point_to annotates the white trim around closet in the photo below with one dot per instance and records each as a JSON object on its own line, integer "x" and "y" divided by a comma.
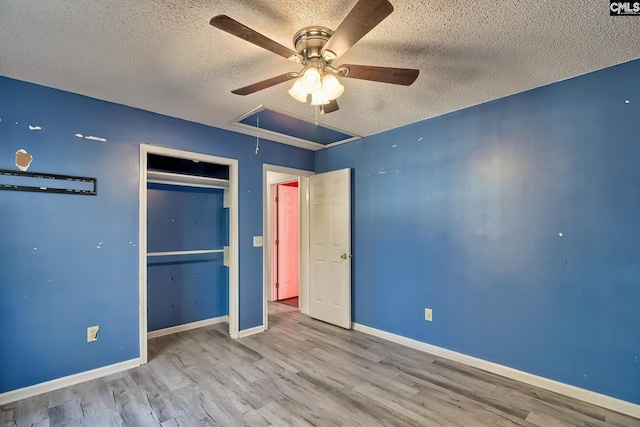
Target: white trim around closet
{"x": 146, "y": 149}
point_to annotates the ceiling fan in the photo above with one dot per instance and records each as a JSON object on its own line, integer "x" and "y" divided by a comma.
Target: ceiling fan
{"x": 316, "y": 48}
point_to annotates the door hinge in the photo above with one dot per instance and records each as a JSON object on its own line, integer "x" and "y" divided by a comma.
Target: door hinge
{"x": 277, "y": 285}
{"x": 277, "y": 242}
{"x": 277, "y": 199}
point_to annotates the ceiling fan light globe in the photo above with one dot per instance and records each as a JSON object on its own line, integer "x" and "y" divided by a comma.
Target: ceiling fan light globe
{"x": 311, "y": 80}
{"x": 318, "y": 98}
{"x": 297, "y": 92}
{"x": 331, "y": 87}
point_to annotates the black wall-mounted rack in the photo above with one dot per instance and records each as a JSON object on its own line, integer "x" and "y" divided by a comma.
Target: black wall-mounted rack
{"x": 47, "y": 183}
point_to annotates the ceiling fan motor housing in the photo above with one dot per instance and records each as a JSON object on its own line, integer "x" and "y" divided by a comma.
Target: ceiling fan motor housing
{"x": 309, "y": 41}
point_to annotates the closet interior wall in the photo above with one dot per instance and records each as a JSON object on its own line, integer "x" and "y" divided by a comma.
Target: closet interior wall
{"x": 187, "y": 231}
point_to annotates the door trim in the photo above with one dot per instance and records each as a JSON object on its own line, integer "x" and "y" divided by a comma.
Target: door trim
{"x": 303, "y": 234}
{"x": 142, "y": 234}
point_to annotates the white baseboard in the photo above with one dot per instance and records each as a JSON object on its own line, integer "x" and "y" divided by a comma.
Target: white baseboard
{"x": 45, "y": 387}
{"x": 250, "y": 331}
{"x": 186, "y": 327}
{"x": 588, "y": 396}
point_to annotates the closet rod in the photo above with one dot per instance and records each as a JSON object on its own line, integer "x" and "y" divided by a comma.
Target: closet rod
{"x": 186, "y": 180}
{"x": 205, "y": 251}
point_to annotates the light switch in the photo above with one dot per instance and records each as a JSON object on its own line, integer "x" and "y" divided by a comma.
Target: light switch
{"x": 257, "y": 241}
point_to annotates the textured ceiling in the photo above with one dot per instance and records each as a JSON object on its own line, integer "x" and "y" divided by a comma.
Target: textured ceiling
{"x": 163, "y": 56}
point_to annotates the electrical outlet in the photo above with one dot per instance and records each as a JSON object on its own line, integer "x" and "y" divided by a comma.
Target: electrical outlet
{"x": 257, "y": 241}
{"x": 428, "y": 315}
{"x": 92, "y": 333}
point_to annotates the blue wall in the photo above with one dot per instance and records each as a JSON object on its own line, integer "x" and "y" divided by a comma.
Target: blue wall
{"x": 186, "y": 288}
{"x": 463, "y": 213}
{"x": 68, "y": 261}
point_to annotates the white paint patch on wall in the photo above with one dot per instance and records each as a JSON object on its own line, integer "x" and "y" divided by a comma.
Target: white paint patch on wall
{"x": 91, "y": 138}
{"x": 34, "y": 127}
{"x": 95, "y": 138}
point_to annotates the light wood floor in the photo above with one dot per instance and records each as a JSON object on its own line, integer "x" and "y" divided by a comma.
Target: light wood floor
{"x": 300, "y": 372}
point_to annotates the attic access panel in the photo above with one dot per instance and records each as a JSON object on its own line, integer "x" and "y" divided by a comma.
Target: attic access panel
{"x": 282, "y": 124}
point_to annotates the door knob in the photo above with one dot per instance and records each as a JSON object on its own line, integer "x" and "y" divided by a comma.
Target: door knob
{"x": 345, "y": 256}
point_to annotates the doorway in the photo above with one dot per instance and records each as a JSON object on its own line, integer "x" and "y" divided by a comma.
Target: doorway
{"x": 273, "y": 177}
{"x": 285, "y": 243}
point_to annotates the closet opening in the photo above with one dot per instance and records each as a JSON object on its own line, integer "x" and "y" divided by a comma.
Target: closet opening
{"x": 188, "y": 228}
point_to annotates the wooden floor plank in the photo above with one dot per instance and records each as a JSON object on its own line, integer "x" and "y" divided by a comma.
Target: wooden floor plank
{"x": 301, "y": 372}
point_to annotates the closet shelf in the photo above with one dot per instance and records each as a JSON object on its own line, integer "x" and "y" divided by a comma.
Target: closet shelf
{"x": 205, "y": 251}
{"x": 186, "y": 180}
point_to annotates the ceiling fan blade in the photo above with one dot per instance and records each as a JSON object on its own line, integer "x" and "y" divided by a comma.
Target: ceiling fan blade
{"x": 330, "y": 107}
{"x": 396, "y": 76}
{"x": 233, "y": 27}
{"x": 364, "y": 16}
{"x": 252, "y": 88}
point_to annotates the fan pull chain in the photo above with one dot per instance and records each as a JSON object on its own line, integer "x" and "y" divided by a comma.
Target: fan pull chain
{"x": 257, "y": 134}
{"x": 322, "y": 91}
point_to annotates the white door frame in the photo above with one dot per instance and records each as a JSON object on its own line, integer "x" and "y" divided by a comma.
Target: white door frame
{"x": 142, "y": 238}
{"x": 303, "y": 233}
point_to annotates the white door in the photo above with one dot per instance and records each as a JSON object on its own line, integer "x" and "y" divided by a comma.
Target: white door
{"x": 287, "y": 242}
{"x": 330, "y": 247}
